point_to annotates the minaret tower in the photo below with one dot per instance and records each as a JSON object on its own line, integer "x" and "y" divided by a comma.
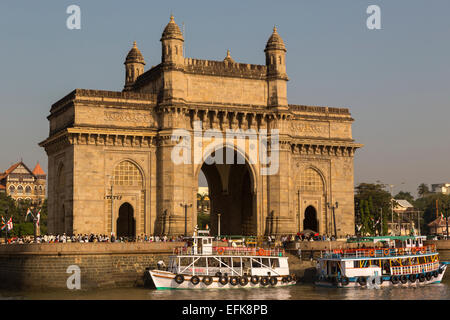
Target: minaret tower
{"x": 134, "y": 67}
{"x": 172, "y": 44}
{"x": 276, "y": 70}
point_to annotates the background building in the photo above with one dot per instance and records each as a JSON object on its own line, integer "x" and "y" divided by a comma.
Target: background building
{"x": 21, "y": 183}
{"x": 104, "y": 142}
{"x": 443, "y": 188}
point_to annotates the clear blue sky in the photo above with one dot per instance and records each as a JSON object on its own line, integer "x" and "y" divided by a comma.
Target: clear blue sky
{"x": 394, "y": 80}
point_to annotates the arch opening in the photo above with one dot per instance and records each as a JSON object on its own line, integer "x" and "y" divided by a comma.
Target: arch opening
{"x": 310, "y": 222}
{"x": 126, "y": 224}
{"x": 230, "y": 193}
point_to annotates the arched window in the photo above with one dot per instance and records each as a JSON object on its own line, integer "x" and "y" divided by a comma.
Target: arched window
{"x": 20, "y": 190}
{"x": 127, "y": 173}
{"x": 311, "y": 181}
{"x": 12, "y": 189}
{"x": 28, "y": 190}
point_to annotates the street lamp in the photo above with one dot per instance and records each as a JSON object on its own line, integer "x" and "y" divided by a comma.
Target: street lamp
{"x": 218, "y": 227}
{"x": 185, "y": 216}
{"x": 333, "y": 207}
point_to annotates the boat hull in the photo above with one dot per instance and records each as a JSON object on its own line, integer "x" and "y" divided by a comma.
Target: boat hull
{"x": 165, "y": 280}
{"x": 386, "y": 282}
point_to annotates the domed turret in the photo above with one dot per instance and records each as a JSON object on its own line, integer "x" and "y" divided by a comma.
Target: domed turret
{"x": 134, "y": 66}
{"x": 172, "y": 31}
{"x": 275, "y": 54}
{"x": 228, "y": 58}
{"x": 172, "y": 44}
{"x": 275, "y": 42}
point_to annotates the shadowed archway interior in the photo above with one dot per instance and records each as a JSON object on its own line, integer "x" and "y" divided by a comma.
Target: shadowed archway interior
{"x": 310, "y": 222}
{"x": 126, "y": 224}
{"x": 231, "y": 194}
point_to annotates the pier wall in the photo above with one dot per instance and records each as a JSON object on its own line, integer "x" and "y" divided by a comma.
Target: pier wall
{"x": 40, "y": 266}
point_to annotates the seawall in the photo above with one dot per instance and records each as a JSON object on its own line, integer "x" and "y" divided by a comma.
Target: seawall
{"x": 40, "y": 266}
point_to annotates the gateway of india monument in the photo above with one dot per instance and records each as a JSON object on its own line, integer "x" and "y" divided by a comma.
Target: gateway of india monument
{"x": 121, "y": 143}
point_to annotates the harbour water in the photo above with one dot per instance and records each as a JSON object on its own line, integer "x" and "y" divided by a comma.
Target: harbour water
{"x": 298, "y": 292}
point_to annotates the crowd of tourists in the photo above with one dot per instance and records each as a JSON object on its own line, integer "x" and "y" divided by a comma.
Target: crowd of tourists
{"x": 276, "y": 241}
{"x": 84, "y": 238}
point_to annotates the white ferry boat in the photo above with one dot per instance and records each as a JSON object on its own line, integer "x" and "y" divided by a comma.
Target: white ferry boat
{"x": 402, "y": 261}
{"x": 203, "y": 266}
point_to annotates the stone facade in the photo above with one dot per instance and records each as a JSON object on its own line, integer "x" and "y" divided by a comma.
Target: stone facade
{"x": 103, "y": 141}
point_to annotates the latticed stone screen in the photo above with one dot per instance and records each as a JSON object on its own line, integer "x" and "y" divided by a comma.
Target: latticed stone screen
{"x": 311, "y": 181}
{"x": 127, "y": 174}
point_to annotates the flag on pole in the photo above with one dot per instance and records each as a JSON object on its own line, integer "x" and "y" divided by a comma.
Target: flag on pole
{"x": 28, "y": 213}
{"x": 4, "y": 224}
{"x": 10, "y": 224}
{"x": 38, "y": 217}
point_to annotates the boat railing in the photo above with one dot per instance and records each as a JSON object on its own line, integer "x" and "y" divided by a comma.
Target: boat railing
{"x": 232, "y": 251}
{"x": 415, "y": 269}
{"x": 377, "y": 252}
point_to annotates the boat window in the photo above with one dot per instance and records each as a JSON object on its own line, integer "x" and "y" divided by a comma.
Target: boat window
{"x": 185, "y": 261}
{"x": 275, "y": 263}
{"x": 265, "y": 261}
{"x": 245, "y": 263}
{"x": 237, "y": 262}
{"x": 200, "y": 262}
{"x": 255, "y": 263}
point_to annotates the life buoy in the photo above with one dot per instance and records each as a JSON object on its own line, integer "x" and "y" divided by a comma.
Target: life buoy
{"x": 179, "y": 278}
{"x": 233, "y": 280}
{"x": 428, "y": 276}
{"x": 423, "y": 250}
{"x": 254, "y": 279}
{"x": 243, "y": 280}
{"x": 386, "y": 252}
{"x": 195, "y": 280}
{"x": 273, "y": 281}
{"x": 345, "y": 281}
{"x": 435, "y": 274}
{"x": 218, "y": 274}
{"x": 223, "y": 280}
{"x": 289, "y": 278}
{"x": 264, "y": 281}
{"x": 394, "y": 279}
{"x": 372, "y": 252}
{"x": 412, "y": 278}
{"x": 403, "y": 279}
{"x": 400, "y": 251}
{"x": 207, "y": 280}
{"x": 362, "y": 281}
{"x": 261, "y": 252}
{"x": 220, "y": 250}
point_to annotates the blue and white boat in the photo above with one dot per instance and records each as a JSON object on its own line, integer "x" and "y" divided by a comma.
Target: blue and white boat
{"x": 388, "y": 261}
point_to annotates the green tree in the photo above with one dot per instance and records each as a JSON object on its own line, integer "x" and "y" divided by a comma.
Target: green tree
{"x": 423, "y": 190}
{"x": 402, "y": 195}
{"x": 428, "y": 206}
{"x": 372, "y": 201}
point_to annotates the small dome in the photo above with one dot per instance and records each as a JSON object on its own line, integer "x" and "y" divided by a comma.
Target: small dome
{"x": 275, "y": 42}
{"x": 134, "y": 56}
{"x": 172, "y": 31}
{"x": 228, "y": 57}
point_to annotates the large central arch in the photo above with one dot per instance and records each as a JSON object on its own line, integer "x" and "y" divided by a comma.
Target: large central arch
{"x": 232, "y": 194}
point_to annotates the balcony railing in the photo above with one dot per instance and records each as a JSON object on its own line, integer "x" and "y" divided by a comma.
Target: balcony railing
{"x": 232, "y": 251}
{"x": 378, "y": 252}
{"x": 415, "y": 269}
